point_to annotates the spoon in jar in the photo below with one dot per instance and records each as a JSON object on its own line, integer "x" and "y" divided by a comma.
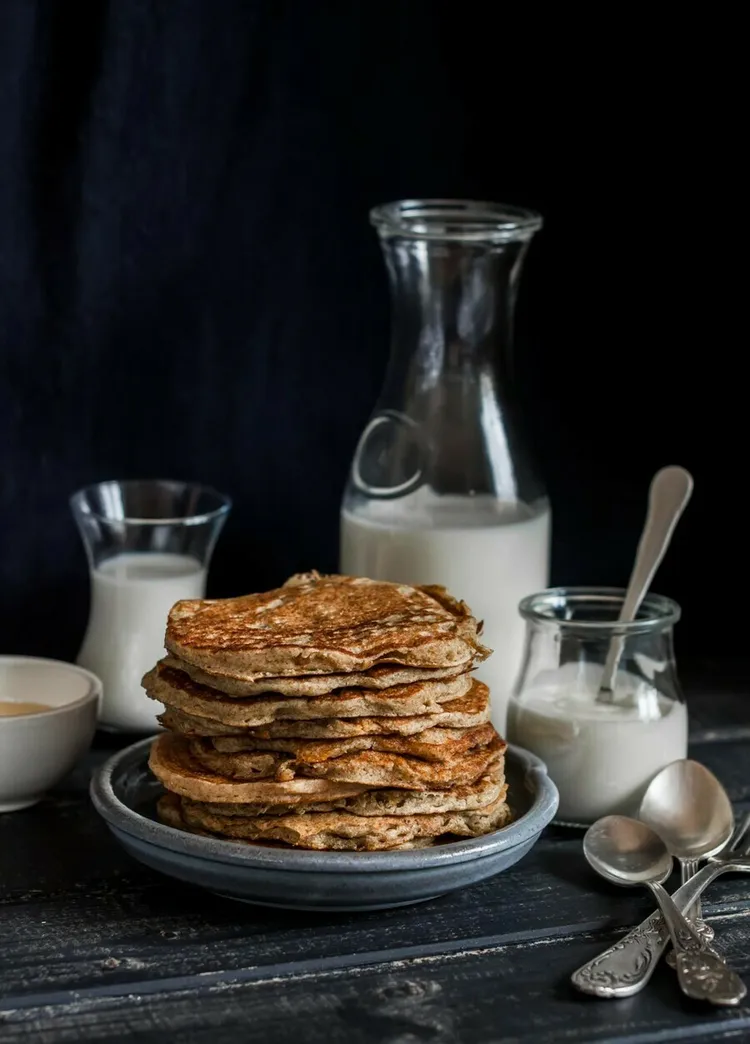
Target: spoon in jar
{"x": 667, "y": 497}
{"x": 628, "y": 852}
{"x": 690, "y": 810}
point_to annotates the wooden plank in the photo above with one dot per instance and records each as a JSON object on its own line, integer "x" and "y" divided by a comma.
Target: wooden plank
{"x": 492, "y": 994}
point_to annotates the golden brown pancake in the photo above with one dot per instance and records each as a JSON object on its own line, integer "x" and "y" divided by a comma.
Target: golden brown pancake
{"x": 321, "y": 625}
{"x": 190, "y": 725}
{"x": 176, "y": 690}
{"x": 383, "y": 802}
{"x": 464, "y": 712}
{"x": 345, "y": 831}
{"x": 439, "y": 744}
{"x": 171, "y": 763}
{"x": 373, "y": 768}
{"x": 169, "y": 811}
{"x": 382, "y": 677}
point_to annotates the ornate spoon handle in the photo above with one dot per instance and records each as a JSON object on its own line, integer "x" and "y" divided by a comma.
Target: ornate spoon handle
{"x": 703, "y": 974}
{"x": 689, "y": 868}
{"x": 626, "y": 967}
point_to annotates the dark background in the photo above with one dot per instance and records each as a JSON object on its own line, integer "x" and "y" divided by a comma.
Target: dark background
{"x": 189, "y": 286}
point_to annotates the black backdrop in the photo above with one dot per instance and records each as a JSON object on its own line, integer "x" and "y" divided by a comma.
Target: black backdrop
{"x": 189, "y": 286}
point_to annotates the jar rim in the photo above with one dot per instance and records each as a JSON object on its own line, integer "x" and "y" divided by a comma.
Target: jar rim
{"x": 455, "y": 220}
{"x": 656, "y": 611}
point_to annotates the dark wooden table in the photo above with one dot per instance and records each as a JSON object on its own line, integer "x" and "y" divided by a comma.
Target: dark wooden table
{"x": 95, "y": 947}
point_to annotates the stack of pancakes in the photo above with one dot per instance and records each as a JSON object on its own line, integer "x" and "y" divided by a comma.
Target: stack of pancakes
{"x": 332, "y": 713}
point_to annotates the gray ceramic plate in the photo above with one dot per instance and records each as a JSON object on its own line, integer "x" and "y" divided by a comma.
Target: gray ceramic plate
{"x": 124, "y": 793}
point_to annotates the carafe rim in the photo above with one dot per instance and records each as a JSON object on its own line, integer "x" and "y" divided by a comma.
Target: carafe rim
{"x": 455, "y": 220}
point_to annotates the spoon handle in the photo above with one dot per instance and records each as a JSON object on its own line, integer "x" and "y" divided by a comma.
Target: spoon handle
{"x": 702, "y": 973}
{"x": 625, "y": 967}
{"x": 689, "y": 868}
{"x": 669, "y": 493}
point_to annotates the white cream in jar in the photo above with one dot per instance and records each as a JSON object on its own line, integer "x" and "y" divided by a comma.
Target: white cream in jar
{"x": 601, "y": 756}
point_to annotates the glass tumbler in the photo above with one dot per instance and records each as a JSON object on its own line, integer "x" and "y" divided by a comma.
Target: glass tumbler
{"x": 149, "y": 544}
{"x": 602, "y": 754}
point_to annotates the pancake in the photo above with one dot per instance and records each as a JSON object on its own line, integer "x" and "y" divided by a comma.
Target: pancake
{"x": 321, "y": 625}
{"x": 383, "y": 802}
{"x": 437, "y": 744}
{"x": 372, "y": 768}
{"x": 464, "y": 712}
{"x": 171, "y": 763}
{"x": 345, "y": 831}
{"x": 169, "y": 811}
{"x": 383, "y": 677}
{"x": 189, "y": 725}
{"x": 176, "y": 690}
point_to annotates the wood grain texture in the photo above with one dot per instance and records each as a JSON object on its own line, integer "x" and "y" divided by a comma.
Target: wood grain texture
{"x": 493, "y": 993}
{"x": 95, "y": 947}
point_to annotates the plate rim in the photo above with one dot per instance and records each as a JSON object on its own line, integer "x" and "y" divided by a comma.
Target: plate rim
{"x": 238, "y": 853}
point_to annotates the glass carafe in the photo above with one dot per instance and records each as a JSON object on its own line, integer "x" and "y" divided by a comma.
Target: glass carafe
{"x": 442, "y": 488}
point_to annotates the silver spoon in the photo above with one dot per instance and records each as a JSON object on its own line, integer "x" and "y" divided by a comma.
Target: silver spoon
{"x": 667, "y": 497}
{"x": 624, "y": 968}
{"x": 629, "y": 852}
{"x": 690, "y": 810}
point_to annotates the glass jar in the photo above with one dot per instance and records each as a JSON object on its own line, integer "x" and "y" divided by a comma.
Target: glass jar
{"x": 602, "y": 754}
{"x": 442, "y": 488}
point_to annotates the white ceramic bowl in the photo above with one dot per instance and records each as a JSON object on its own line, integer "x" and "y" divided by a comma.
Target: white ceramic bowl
{"x": 37, "y": 750}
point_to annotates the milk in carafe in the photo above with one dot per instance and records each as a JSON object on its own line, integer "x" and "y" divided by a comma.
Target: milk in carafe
{"x": 491, "y": 562}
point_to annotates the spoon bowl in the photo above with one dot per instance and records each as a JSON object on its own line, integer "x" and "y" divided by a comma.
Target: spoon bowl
{"x": 627, "y": 852}
{"x": 689, "y": 808}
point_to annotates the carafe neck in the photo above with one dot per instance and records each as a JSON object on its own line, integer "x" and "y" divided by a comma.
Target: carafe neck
{"x": 454, "y": 268}
{"x": 452, "y": 305}
{"x": 447, "y": 416}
